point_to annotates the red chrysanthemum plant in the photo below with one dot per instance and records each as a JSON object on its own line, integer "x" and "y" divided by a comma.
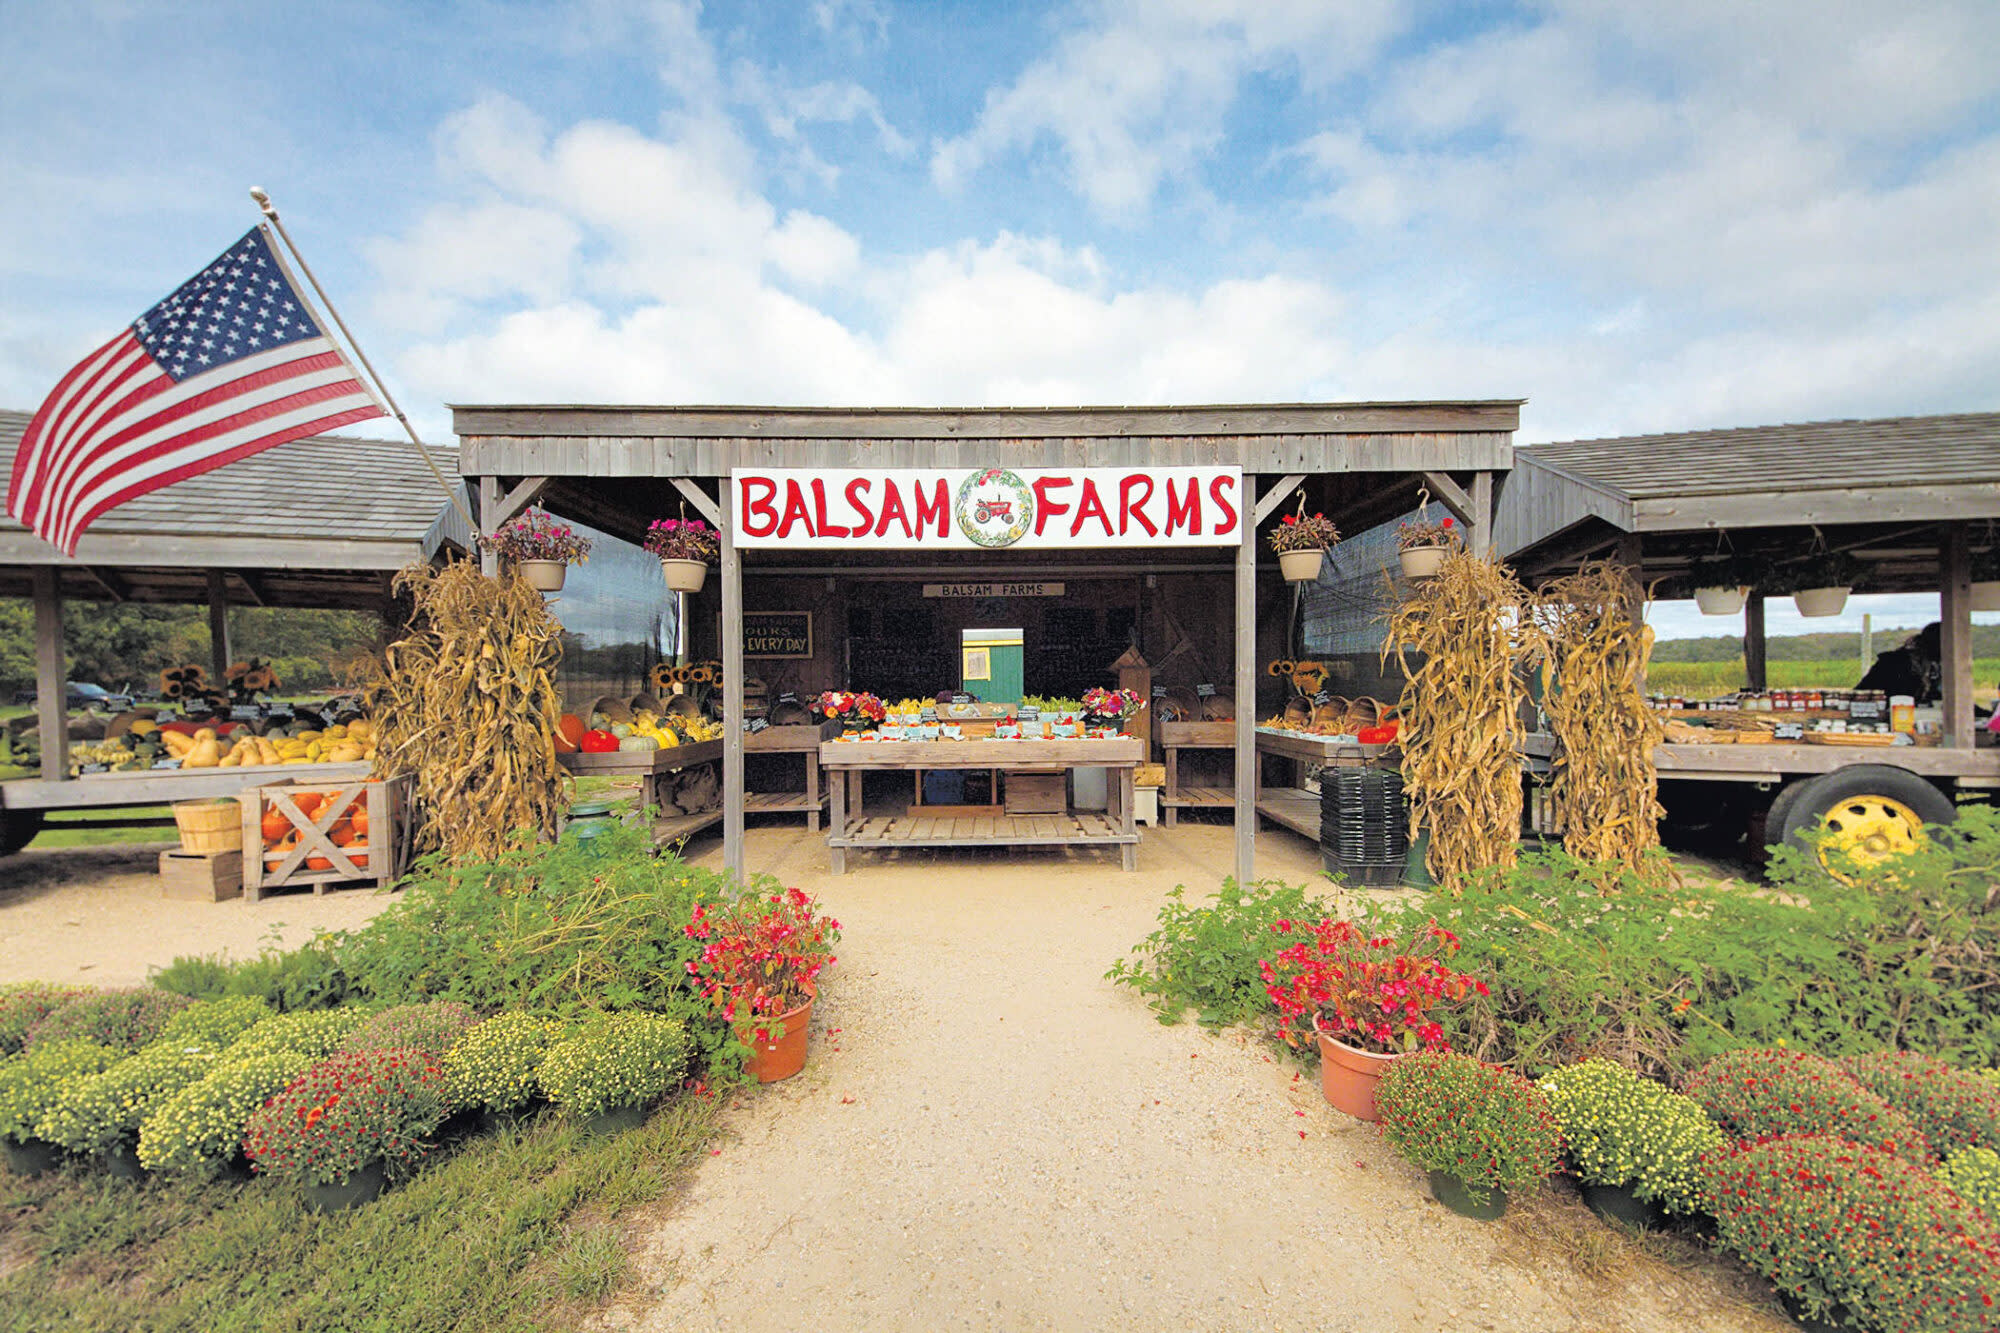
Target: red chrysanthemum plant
{"x": 1375, "y": 993}
{"x": 761, "y": 957}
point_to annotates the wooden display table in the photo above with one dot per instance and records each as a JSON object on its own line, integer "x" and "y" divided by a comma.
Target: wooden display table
{"x": 848, "y": 760}
{"x": 804, "y": 740}
{"x": 651, "y": 768}
{"x": 1293, "y": 806}
{"x": 1178, "y": 736}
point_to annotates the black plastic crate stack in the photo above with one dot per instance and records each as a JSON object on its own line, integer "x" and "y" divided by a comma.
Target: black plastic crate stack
{"x": 1364, "y": 825}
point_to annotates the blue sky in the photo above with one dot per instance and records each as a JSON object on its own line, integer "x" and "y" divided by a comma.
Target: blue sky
{"x": 1638, "y": 217}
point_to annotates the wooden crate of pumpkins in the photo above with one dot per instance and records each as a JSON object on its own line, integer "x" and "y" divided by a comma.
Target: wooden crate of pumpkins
{"x": 324, "y": 834}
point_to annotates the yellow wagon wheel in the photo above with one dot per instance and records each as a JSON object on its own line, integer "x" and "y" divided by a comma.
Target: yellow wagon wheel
{"x": 1858, "y": 817}
{"x": 1865, "y": 831}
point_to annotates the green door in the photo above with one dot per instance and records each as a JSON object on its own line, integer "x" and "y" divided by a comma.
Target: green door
{"x": 991, "y": 665}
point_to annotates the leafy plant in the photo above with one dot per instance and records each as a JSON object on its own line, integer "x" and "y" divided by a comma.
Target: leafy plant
{"x": 1847, "y": 1229}
{"x": 615, "y": 1061}
{"x": 1951, "y": 1108}
{"x": 1426, "y": 531}
{"x": 308, "y": 977}
{"x": 498, "y": 1063}
{"x": 538, "y": 535}
{"x": 200, "y": 1128}
{"x": 32, "y": 1083}
{"x": 125, "y": 1019}
{"x": 761, "y": 955}
{"x": 1974, "y": 1175}
{"x": 433, "y": 1027}
{"x": 1304, "y": 532}
{"x": 94, "y": 1113}
{"x": 23, "y": 1004}
{"x": 1622, "y": 1128}
{"x": 1758, "y": 1094}
{"x": 1206, "y": 957}
{"x": 317, "y": 1033}
{"x": 683, "y": 539}
{"x": 215, "y": 1023}
{"x": 346, "y": 1112}
{"x": 1723, "y": 571}
{"x": 1378, "y": 993}
{"x": 1486, "y": 1125}
{"x": 1825, "y": 569}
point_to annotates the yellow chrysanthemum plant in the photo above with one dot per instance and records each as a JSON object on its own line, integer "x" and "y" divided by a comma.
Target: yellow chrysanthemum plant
{"x": 1624, "y": 1129}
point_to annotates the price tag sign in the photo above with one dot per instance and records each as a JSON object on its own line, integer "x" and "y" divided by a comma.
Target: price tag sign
{"x": 1029, "y": 714}
{"x": 1790, "y": 731}
{"x": 788, "y": 697}
{"x": 245, "y": 713}
{"x": 1322, "y": 698}
{"x": 1204, "y": 691}
{"x": 166, "y": 763}
{"x": 94, "y": 768}
{"x": 1159, "y": 691}
{"x": 960, "y": 697}
{"x": 929, "y": 713}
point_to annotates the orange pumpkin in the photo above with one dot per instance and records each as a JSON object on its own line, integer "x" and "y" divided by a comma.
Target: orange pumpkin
{"x": 309, "y": 802}
{"x": 358, "y": 816}
{"x": 275, "y": 826}
{"x": 342, "y": 832}
{"x": 569, "y": 733}
{"x": 318, "y": 863}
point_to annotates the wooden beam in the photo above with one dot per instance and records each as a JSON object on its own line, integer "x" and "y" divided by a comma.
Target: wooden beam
{"x": 1277, "y": 495}
{"x": 1482, "y": 513}
{"x": 702, "y": 501}
{"x": 114, "y": 585}
{"x": 1246, "y": 706}
{"x": 1955, "y": 640}
{"x": 489, "y": 505}
{"x": 1451, "y": 495}
{"x": 1756, "y": 642}
{"x": 253, "y": 584}
{"x": 511, "y": 504}
{"x": 732, "y": 696}
{"x": 218, "y": 626}
{"x": 1876, "y": 504}
{"x": 51, "y": 676}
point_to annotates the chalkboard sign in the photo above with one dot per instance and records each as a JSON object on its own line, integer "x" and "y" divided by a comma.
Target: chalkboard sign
{"x": 777, "y": 634}
{"x": 788, "y": 697}
{"x": 166, "y": 763}
{"x": 928, "y": 714}
{"x": 245, "y": 713}
{"x": 1322, "y": 698}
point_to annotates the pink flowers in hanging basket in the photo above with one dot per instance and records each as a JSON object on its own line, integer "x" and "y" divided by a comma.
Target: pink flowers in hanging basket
{"x": 538, "y": 535}
{"x": 684, "y": 539}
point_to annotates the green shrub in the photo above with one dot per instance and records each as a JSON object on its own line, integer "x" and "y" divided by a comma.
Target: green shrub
{"x": 308, "y": 977}
{"x": 31, "y": 1084}
{"x": 1622, "y": 1128}
{"x": 433, "y": 1028}
{"x": 1486, "y": 1125}
{"x": 1760, "y": 1094}
{"x": 215, "y": 1023}
{"x": 1205, "y": 957}
{"x": 123, "y": 1019}
{"x": 1849, "y": 1230}
{"x": 26, "y": 1003}
{"x": 497, "y": 1064}
{"x": 200, "y": 1128}
{"x": 615, "y": 1061}
{"x": 1952, "y": 1108}
{"x": 1974, "y": 1175}
{"x": 314, "y": 1032}
{"x": 345, "y": 1112}
{"x": 94, "y": 1113}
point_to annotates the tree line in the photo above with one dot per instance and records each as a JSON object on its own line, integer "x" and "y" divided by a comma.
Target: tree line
{"x": 1842, "y": 646}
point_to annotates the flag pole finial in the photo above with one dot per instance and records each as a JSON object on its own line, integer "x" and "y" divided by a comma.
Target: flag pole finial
{"x": 264, "y": 201}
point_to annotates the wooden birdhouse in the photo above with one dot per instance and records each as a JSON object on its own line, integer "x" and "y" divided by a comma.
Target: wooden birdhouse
{"x": 1134, "y": 674}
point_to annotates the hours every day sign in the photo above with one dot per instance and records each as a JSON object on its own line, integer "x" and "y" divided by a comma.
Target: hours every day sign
{"x": 993, "y": 508}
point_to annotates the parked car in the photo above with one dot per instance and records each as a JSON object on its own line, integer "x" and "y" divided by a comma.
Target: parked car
{"x": 83, "y": 694}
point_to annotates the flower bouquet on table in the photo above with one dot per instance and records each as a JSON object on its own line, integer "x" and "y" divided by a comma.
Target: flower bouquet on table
{"x": 854, "y": 711}
{"x": 760, "y": 964}
{"x": 1108, "y": 709}
{"x": 686, "y": 547}
{"x": 540, "y": 546}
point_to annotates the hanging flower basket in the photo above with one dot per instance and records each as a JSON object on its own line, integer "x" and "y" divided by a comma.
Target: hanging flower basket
{"x": 1300, "y": 566}
{"x": 1986, "y": 595}
{"x": 544, "y": 575}
{"x": 1820, "y": 602}
{"x": 1301, "y": 541}
{"x": 685, "y": 575}
{"x": 686, "y": 548}
{"x": 1422, "y": 545}
{"x": 1720, "y": 601}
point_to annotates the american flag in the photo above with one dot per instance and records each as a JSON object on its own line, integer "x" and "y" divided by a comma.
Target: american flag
{"x": 232, "y": 363}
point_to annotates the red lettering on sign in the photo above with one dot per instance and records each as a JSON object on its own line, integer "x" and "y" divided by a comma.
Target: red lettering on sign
{"x": 1218, "y": 491}
{"x": 795, "y": 507}
{"x": 1091, "y": 504}
{"x": 938, "y": 508}
{"x": 1045, "y": 507}
{"x": 759, "y": 519}
{"x": 892, "y": 508}
{"x": 857, "y": 492}
{"x": 1184, "y": 510}
{"x": 826, "y": 528}
{"x": 1128, "y": 508}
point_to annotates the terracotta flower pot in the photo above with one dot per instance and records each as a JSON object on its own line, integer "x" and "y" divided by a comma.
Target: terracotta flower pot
{"x": 1348, "y": 1076}
{"x": 685, "y": 575}
{"x": 1422, "y": 562}
{"x": 1300, "y": 566}
{"x": 544, "y": 575}
{"x": 782, "y": 1056}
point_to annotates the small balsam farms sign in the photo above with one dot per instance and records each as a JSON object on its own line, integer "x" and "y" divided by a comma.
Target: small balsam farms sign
{"x": 988, "y": 509}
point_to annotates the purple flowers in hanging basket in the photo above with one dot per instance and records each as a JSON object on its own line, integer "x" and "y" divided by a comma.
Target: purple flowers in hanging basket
{"x": 537, "y": 535}
{"x": 684, "y": 539}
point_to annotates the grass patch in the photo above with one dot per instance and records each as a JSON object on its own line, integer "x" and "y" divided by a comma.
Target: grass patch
{"x": 507, "y": 1231}
{"x": 73, "y": 828}
{"x": 1703, "y": 680}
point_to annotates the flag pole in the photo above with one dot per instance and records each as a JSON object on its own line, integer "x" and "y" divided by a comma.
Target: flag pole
{"x": 271, "y": 212}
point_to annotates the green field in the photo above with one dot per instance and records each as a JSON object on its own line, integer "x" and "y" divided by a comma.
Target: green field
{"x": 1701, "y": 680}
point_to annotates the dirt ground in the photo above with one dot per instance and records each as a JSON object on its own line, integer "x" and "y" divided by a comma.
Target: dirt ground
{"x": 989, "y": 1135}
{"x": 96, "y": 915}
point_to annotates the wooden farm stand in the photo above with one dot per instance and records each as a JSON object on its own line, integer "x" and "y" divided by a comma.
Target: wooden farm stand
{"x": 619, "y": 468}
{"x": 651, "y": 768}
{"x": 1292, "y": 805}
{"x": 1178, "y": 736}
{"x": 802, "y": 739}
{"x": 1114, "y": 827}
{"x": 320, "y": 522}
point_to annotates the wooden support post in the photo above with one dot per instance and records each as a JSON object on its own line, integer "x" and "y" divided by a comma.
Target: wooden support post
{"x": 732, "y": 692}
{"x": 1756, "y": 643}
{"x": 218, "y": 627}
{"x": 1630, "y": 552}
{"x": 488, "y": 505}
{"x": 51, "y": 675}
{"x": 1482, "y": 513}
{"x": 1955, "y": 641}
{"x": 1246, "y": 694}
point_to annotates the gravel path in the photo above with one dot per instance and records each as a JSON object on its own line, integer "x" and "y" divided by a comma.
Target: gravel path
{"x": 990, "y": 1136}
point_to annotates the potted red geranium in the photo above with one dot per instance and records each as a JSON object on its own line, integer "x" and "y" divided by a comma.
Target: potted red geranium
{"x": 1422, "y": 544}
{"x": 686, "y": 548}
{"x": 1365, "y": 1000}
{"x": 1302, "y": 541}
{"x": 761, "y": 959}
{"x": 540, "y": 547}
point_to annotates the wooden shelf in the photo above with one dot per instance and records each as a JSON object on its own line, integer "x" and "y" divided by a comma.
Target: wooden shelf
{"x": 1076, "y": 828}
{"x": 1198, "y": 797}
{"x": 627, "y": 762}
{"x": 1294, "y": 807}
{"x": 672, "y": 828}
{"x": 781, "y": 802}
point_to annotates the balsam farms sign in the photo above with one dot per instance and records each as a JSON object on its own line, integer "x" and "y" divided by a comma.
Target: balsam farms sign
{"x": 988, "y": 509}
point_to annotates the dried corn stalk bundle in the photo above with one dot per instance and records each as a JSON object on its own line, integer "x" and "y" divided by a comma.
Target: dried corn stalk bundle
{"x": 1461, "y": 641}
{"x": 468, "y": 705}
{"x": 1605, "y": 789}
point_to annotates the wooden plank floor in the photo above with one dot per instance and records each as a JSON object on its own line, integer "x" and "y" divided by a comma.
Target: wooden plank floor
{"x": 1200, "y": 796}
{"x": 1085, "y": 827}
{"x": 766, "y": 802}
{"x": 1293, "y": 807}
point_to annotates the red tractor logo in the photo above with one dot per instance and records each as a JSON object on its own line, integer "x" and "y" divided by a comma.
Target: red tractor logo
{"x": 988, "y": 510}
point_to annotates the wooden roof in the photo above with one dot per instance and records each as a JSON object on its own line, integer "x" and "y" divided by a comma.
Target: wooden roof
{"x": 322, "y": 521}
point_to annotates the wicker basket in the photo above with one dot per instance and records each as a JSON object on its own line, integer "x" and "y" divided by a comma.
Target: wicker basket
{"x": 1299, "y": 714}
{"x": 1218, "y": 708}
{"x": 615, "y": 709}
{"x": 1365, "y": 712}
{"x": 210, "y": 826}
{"x": 1330, "y": 715}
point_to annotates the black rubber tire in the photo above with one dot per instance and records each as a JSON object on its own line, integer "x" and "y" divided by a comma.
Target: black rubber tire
{"x": 17, "y": 829}
{"x": 1813, "y": 798}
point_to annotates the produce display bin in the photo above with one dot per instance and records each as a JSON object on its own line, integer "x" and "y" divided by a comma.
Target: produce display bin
{"x": 387, "y": 803}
